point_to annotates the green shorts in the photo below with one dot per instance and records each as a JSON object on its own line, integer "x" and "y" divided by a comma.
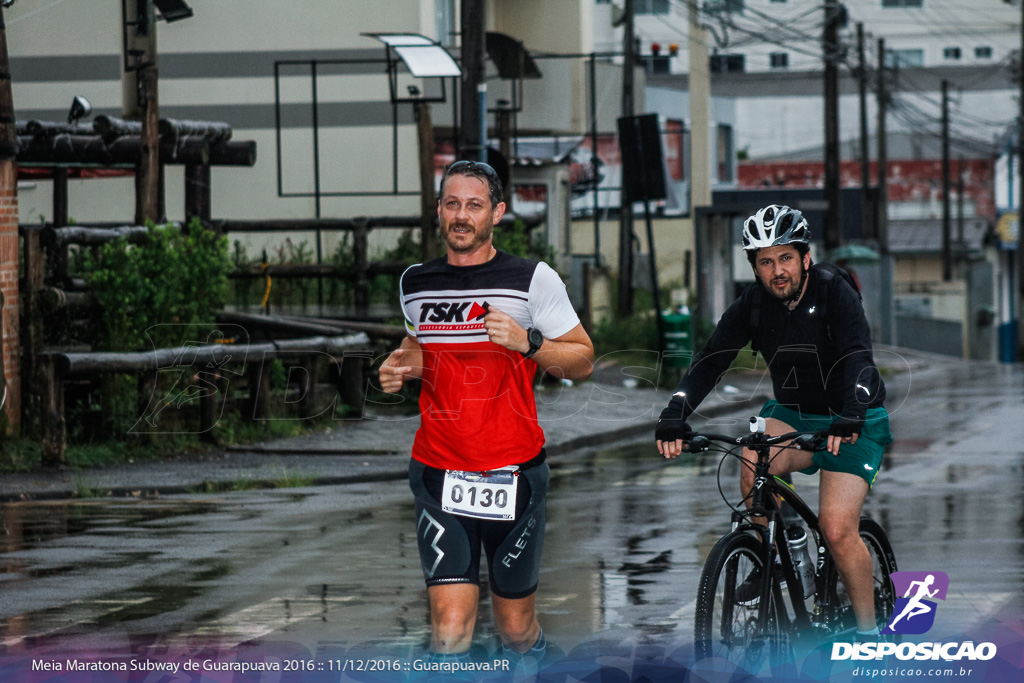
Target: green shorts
{"x": 862, "y": 458}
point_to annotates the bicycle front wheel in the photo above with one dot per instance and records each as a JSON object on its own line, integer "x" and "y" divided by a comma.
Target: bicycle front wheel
{"x": 726, "y": 623}
{"x": 883, "y": 563}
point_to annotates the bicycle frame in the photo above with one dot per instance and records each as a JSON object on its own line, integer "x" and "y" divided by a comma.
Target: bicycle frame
{"x": 725, "y": 625}
{"x": 767, "y": 488}
{"x": 764, "y": 503}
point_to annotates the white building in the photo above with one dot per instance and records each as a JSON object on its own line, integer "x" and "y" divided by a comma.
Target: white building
{"x": 768, "y": 54}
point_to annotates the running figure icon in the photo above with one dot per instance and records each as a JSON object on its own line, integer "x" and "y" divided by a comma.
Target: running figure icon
{"x": 915, "y": 606}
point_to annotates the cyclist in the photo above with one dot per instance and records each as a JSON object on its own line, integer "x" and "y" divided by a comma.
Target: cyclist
{"x": 479, "y": 322}
{"x": 809, "y": 324}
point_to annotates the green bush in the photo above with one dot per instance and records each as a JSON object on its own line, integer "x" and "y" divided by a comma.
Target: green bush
{"x": 169, "y": 278}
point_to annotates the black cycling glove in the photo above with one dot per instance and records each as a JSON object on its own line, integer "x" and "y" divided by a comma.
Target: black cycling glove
{"x": 671, "y": 425}
{"x": 845, "y": 426}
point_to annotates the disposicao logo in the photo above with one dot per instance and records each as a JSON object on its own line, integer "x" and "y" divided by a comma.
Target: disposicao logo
{"x": 914, "y": 613}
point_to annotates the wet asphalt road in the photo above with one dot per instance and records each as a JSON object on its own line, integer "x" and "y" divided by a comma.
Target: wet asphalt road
{"x": 336, "y": 566}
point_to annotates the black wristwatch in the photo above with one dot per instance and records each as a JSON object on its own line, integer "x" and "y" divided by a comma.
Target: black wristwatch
{"x": 535, "y": 338}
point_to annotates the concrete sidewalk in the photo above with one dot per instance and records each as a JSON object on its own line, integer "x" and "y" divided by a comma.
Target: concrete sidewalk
{"x": 607, "y": 409}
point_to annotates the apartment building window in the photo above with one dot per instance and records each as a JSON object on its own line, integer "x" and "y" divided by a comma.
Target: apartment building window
{"x": 779, "y": 60}
{"x": 651, "y": 6}
{"x": 951, "y": 53}
{"x": 902, "y": 3}
{"x": 909, "y": 57}
{"x": 983, "y": 52}
{"x": 721, "y": 64}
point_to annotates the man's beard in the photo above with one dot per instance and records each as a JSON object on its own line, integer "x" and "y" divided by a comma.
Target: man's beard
{"x": 478, "y": 238}
{"x": 791, "y": 291}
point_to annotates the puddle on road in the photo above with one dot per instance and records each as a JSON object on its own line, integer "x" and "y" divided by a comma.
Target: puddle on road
{"x": 627, "y": 536}
{"x": 28, "y": 525}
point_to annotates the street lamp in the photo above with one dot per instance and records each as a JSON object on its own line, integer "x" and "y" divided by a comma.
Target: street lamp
{"x": 423, "y": 57}
{"x": 80, "y": 108}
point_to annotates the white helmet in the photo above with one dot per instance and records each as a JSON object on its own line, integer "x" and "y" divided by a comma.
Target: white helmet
{"x": 775, "y": 225}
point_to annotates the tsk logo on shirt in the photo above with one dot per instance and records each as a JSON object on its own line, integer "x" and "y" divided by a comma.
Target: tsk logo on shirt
{"x": 452, "y": 312}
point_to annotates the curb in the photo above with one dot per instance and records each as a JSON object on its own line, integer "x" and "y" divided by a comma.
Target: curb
{"x": 602, "y": 438}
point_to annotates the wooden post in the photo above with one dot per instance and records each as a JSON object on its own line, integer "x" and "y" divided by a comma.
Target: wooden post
{"x": 146, "y": 389}
{"x": 10, "y": 370}
{"x": 360, "y": 239}
{"x": 33, "y": 331}
{"x": 147, "y": 173}
{"x": 428, "y": 200}
{"x": 60, "y": 197}
{"x": 55, "y": 439}
{"x": 308, "y": 404}
{"x": 208, "y": 404}
{"x": 352, "y": 383}
{"x": 259, "y": 391}
{"x": 140, "y": 101}
{"x": 197, "y": 193}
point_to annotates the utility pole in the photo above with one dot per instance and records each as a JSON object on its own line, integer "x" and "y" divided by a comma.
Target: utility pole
{"x": 473, "y": 124}
{"x": 881, "y": 215}
{"x": 961, "y": 245}
{"x": 865, "y": 160}
{"x": 428, "y": 200}
{"x": 830, "y": 45}
{"x": 625, "y": 286}
{"x": 947, "y": 225}
{"x": 140, "y": 102}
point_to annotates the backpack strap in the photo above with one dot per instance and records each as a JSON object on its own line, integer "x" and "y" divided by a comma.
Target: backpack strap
{"x": 757, "y": 297}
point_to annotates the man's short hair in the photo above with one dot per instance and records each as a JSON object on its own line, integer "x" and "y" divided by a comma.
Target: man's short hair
{"x": 477, "y": 169}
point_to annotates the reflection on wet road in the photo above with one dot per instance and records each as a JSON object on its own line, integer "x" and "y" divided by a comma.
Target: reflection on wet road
{"x": 627, "y": 536}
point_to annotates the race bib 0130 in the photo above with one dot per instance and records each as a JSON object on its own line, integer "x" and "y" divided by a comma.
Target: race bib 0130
{"x": 483, "y": 495}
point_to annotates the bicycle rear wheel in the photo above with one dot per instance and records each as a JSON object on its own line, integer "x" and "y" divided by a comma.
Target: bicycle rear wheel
{"x": 724, "y": 627}
{"x": 883, "y": 563}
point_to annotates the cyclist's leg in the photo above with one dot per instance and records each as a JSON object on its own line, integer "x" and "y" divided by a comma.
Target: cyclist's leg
{"x": 841, "y": 497}
{"x": 784, "y": 460}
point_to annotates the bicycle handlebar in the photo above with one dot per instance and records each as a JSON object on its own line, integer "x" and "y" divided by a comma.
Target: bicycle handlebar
{"x": 804, "y": 440}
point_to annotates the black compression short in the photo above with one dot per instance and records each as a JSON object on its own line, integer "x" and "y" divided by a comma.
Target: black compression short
{"x": 450, "y": 544}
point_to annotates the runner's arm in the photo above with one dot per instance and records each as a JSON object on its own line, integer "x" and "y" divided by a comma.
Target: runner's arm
{"x": 405, "y": 362}
{"x": 569, "y": 356}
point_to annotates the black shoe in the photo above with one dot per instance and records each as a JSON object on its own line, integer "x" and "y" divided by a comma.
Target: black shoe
{"x": 748, "y": 593}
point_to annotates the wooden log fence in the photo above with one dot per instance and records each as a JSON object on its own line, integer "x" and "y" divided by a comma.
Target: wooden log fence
{"x": 306, "y": 325}
{"x": 349, "y": 356}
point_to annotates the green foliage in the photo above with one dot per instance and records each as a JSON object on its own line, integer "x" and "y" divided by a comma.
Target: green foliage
{"x": 636, "y": 332}
{"x": 20, "y": 455}
{"x": 170, "y": 278}
{"x": 517, "y": 241}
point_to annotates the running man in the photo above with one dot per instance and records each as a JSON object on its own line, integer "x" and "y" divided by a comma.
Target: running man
{"x": 480, "y": 322}
{"x": 914, "y": 605}
{"x": 808, "y": 323}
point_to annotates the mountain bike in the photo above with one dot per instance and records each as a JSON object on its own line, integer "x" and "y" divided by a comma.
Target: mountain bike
{"x": 755, "y": 616}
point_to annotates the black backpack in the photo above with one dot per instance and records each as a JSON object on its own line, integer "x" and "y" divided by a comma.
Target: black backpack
{"x": 828, "y": 272}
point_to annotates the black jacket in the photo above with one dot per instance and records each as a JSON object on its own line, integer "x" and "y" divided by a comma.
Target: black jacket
{"x": 819, "y": 354}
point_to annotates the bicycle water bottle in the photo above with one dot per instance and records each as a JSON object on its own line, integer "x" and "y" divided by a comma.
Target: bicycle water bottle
{"x": 796, "y": 538}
